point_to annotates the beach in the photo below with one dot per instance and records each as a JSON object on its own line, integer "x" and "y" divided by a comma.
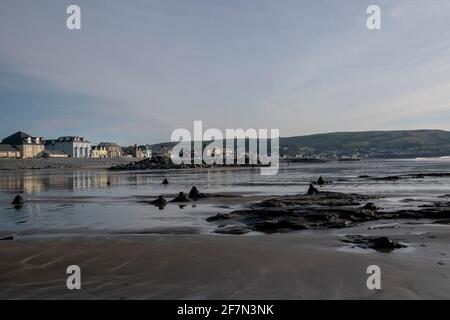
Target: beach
{"x": 301, "y": 266}
{"x": 281, "y": 244}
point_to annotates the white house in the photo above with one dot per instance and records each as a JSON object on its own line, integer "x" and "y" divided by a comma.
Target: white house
{"x": 75, "y": 147}
{"x": 147, "y": 151}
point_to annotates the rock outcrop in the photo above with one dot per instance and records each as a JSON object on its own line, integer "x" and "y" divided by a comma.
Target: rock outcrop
{"x": 383, "y": 244}
{"x": 18, "y": 202}
{"x": 160, "y": 202}
{"x": 323, "y": 210}
{"x": 194, "y": 194}
{"x": 181, "y": 198}
{"x": 312, "y": 190}
{"x": 320, "y": 181}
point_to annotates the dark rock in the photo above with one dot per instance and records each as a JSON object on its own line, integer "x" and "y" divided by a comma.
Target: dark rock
{"x": 165, "y": 181}
{"x": 436, "y": 204}
{"x": 382, "y": 244}
{"x": 232, "y": 229}
{"x": 444, "y": 221}
{"x": 278, "y": 225}
{"x": 370, "y": 206}
{"x": 408, "y": 200}
{"x": 159, "y": 162}
{"x": 325, "y": 199}
{"x": 324, "y": 210}
{"x": 18, "y": 200}
{"x": 220, "y": 216}
{"x": 320, "y": 181}
{"x": 194, "y": 194}
{"x": 390, "y": 178}
{"x": 160, "y": 202}
{"x": 312, "y": 190}
{"x": 181, "y": 198}
{"x": 7, "y": 238}
{"x": 432, "y": 174}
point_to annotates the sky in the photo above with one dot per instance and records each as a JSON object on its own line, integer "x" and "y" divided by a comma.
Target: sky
{"x": 139, "y": 69}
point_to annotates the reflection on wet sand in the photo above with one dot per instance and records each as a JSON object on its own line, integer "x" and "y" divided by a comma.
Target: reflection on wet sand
{"x": 86, "y": 180}
{"x": 30, "y": 182}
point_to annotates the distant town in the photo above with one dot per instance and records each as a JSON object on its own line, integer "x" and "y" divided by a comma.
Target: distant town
{"x": 21, "y": 145}
{"x": 329, "y": 146}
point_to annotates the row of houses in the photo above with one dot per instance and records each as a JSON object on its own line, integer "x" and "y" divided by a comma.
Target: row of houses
{"x": 23, "y": 145}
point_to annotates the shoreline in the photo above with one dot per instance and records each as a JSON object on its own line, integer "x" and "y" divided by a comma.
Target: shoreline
{"x": 61, "y": 163}
{"x": 126, "y": 164}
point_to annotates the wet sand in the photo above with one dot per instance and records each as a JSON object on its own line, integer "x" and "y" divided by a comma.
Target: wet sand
{"x": 300, "y": 265}
{"x": 129, "y": 249}
{"x": 62, "y": 163}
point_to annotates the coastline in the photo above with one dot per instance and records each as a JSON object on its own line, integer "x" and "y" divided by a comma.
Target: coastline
{"x": 61, "y": 163}
{"x": 122, "y": 163}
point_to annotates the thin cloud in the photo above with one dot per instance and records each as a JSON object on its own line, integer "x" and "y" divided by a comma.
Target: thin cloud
{"x": 146, "y": 68}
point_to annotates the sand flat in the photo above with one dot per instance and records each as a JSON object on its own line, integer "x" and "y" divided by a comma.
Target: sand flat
{"x": 282, "y": 266}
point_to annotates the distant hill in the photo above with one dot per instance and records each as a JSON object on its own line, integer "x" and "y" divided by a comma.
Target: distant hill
{"x": 408, "y": 143}
{"x": 373, "y": 144}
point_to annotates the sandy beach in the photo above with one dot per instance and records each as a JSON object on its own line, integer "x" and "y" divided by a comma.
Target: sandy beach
{"x": 295, "y": 246}
{"x": 304, "y": 265}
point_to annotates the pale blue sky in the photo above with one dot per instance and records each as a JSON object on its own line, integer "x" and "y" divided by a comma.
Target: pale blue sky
{"x": 139, "y": 69}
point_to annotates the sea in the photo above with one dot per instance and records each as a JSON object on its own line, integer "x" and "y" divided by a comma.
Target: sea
{"x": 100, "y": 201}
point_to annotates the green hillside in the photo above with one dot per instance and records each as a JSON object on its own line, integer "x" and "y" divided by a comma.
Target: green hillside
{"x": 371, "y": 143}
{"x": 407, "y": 143}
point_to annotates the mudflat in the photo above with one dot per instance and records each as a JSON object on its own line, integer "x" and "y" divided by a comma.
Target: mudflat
{"x": 62, "y": 163}
{"x": 301, "y": 265}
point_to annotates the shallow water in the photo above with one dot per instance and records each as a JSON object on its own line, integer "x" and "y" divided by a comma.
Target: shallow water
{"x": 95, "y": 201}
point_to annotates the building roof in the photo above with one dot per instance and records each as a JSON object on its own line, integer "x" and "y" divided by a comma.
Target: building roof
{"x": 49, "y": 142}
{"x": 18, "y": 138}
{"x": 108, "y": 145}
{"x": 7, "y": 148}
{"x": 67, "y": 139}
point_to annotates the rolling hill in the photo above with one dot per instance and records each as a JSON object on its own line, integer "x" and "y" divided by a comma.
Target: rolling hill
{"x": 374, "y": 144}
{"x": 408, "y": 143}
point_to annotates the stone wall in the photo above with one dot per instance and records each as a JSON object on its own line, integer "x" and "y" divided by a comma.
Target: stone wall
{"x": 31, "y": 150}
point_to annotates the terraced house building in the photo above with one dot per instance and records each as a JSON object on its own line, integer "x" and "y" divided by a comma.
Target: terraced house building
{"x": 7, "y": 151}
{"x": 113, "y": 150}
{"x": 98, "y": 152}
{"x": 28, "y": 146}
